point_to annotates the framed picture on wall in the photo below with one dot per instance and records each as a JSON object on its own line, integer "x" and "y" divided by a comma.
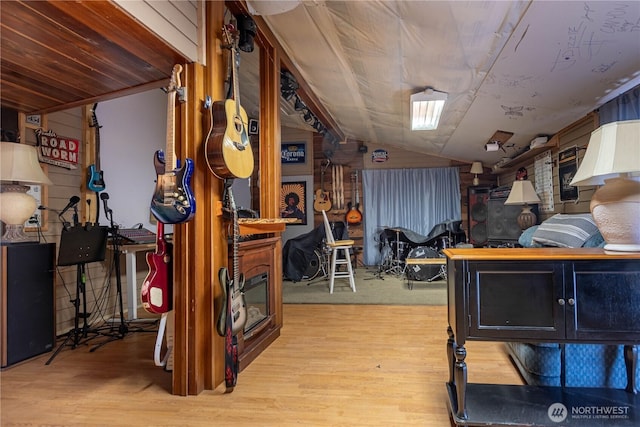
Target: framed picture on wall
{"x": 567, "y": 167}
{"x": 293, "y": 201}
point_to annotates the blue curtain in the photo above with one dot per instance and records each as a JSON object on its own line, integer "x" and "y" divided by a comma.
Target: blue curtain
{"x": 416, "y": 199}
{"x": 623, "y": 107}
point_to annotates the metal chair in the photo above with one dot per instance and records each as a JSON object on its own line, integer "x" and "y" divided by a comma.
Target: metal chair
{"x": 335, "y": 246}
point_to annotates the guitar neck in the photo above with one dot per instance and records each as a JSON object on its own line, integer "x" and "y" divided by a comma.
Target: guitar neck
{"x": 96, "y": 136}
{"x": 170, "y": 159}
{"x": 357, "y": 190}
{"x": 161, "y": 244}
{"x": 234, "y": 211}
{"x": 170, "y": 155}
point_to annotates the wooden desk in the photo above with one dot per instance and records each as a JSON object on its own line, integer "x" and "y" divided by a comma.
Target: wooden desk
{"x": 540, "y": 295}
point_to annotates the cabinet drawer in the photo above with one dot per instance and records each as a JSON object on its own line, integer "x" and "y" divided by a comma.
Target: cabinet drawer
{"x": 516, "y": 300}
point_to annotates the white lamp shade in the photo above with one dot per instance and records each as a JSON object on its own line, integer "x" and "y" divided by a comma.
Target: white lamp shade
{"x": 614, "y": 148}
{"x": 476, "y": 167}
{"x": 522, "y": 192}
{"x": 19, "y": 163}
{"x": 271, "y": 7}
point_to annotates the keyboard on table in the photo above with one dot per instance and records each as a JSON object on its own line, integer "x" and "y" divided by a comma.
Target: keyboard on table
{"x": 137, "y": 235}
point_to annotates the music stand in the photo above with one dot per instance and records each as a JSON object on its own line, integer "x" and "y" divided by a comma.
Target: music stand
{"x": 80, "y": 245}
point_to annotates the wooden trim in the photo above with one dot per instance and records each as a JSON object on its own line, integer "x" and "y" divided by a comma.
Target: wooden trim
{"x": 44, "y": 199}
{"x": 536, "y": 254}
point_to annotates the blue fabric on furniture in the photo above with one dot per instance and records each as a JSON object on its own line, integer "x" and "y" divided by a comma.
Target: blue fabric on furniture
{"x": 586, "y": 365}
{"x": 566, "y": 231}
{"x": 526, "y": 238}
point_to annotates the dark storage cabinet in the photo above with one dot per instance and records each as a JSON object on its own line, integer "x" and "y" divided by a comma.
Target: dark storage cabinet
{"x": 539, "y": 295}
{"x": 27, "y": 304}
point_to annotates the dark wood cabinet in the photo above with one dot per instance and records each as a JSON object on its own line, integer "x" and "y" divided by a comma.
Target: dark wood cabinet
{"x": 27, "y": 302}
{"x": 538, "y": 295}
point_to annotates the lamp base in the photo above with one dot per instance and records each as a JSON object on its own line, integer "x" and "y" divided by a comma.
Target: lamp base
{"x": 526, "y": 218}
{"x": 616, "y": 211}
{"x": 14, "y": 233}
{"x": 16, "y": 207}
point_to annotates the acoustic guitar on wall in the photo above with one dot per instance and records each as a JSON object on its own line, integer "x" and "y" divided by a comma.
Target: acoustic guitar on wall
{"x": 354, "y": 216}
{"x": 227, "y": 148}
{"x": 322, "y": 200}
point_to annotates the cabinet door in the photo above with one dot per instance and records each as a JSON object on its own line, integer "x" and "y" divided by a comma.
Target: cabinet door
{"x": 516, "y": 300}
{"x": 604, "y": 301}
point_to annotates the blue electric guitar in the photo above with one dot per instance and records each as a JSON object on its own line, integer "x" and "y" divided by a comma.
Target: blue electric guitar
{"x": 95, "y": 180}
{"x": 173, "y": 200}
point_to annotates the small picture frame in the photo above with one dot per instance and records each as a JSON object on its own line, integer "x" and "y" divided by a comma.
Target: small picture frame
{"x": 567, "y": 168}
{"x": 254, "y": 127}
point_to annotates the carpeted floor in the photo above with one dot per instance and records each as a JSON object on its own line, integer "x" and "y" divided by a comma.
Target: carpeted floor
{"x": 387, "y": 290}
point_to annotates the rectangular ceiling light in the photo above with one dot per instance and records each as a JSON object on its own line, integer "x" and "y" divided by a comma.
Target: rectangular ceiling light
{"x": 426, "y": 108}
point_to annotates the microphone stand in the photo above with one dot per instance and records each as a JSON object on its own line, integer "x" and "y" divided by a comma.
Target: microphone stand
{"x": 77, "y": 334}
{"x": 116, "y": 244}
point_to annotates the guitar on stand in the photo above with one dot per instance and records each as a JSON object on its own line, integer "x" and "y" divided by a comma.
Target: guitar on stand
{"x": 172, "y": 201}
{"x": 95, "y": 176}
{"x": 322, "y": 201}
{"x": 353, "y": 216}
{"x": 227, "y": 147}
{"x": 233, "y": 317}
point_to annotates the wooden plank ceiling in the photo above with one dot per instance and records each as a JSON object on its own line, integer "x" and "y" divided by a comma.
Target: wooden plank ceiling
{"x": 56, "y": 55}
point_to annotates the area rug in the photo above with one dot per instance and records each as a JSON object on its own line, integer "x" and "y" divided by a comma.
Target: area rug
{"x": 371, "y": 288}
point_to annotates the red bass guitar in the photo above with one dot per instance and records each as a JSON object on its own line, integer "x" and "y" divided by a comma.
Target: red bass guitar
{"x": 156, "y": 293}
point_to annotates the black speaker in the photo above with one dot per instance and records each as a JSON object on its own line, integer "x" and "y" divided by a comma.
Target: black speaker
{"x": 28, "y": 309}
{"x": 502, "y": 224}
{"x": 478, "y": 213}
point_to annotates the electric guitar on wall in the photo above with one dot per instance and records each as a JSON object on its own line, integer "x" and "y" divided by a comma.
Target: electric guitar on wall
{"x": 354, "y": 216}
{"x": 172, "y": 200}
{"x": 95, "y": 180}
{"x": 322, "y": 201}
{"x": 156, "y": 291}
{"x": 233, "y": 315}
{"x": 227, "y": 147}
{"x": 234, "y": 289}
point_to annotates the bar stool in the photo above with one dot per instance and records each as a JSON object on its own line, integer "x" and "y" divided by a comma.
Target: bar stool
{"x": 335, "y": 246}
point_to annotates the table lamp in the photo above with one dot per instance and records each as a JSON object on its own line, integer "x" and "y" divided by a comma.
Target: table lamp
{"x": 476, "y": 168}
{"x": 613, "y": 161}
{"x": 19, "y": 167}
{"x": 523, "y": 193}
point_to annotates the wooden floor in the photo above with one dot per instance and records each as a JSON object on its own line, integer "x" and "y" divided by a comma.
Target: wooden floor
{"x": 333, "y": 365}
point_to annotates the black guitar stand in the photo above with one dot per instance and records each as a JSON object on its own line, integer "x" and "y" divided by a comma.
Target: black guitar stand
{"x": 80, "y": 245}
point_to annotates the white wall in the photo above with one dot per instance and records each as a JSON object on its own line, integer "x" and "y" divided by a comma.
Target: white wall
{"x": 132, "y": 129}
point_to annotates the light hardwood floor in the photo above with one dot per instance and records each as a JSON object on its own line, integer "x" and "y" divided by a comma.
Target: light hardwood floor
{"x": 333, "y": 365}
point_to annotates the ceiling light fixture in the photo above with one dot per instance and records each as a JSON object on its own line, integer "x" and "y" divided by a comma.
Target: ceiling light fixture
{"x": 426, "y": 108}
{"x": 299, "y": 105}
